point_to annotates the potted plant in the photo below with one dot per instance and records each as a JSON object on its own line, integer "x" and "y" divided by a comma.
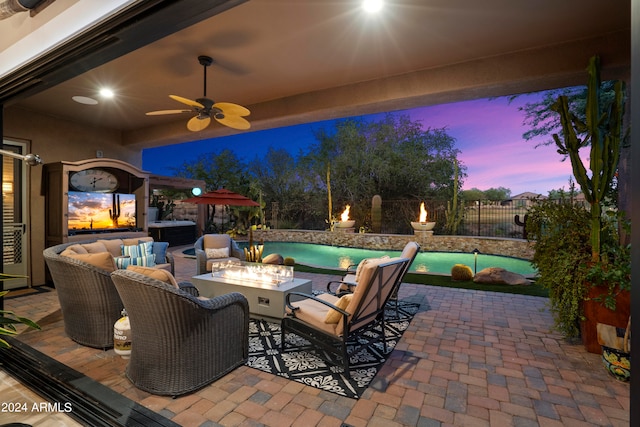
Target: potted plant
{"x": 601, "y": 131}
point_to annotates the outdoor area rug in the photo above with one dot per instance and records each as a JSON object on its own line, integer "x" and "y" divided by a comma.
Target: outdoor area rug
{"x": 301, "y": 362}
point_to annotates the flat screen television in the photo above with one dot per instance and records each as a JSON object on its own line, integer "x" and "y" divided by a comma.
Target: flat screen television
{"x": 101, "y": 212}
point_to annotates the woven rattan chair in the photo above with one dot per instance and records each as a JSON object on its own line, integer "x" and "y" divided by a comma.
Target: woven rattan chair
{"x": 215, "y": 241}
{"x": 354, "y": 313}
{"x": 89, "y": 302}
{"x": 181, "y": 343}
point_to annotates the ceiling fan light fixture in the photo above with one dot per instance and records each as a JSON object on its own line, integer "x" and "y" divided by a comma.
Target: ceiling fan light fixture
{"x": 225, "y": 113}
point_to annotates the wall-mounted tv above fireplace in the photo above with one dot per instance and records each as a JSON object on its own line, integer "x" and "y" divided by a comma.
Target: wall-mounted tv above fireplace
{"x": 101, "y": 212}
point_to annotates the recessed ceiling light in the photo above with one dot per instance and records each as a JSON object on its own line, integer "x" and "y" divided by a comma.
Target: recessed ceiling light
{"x": 84, "y": 100}
{"x": 372, "y": 6}
{"x": 106, "y": 93}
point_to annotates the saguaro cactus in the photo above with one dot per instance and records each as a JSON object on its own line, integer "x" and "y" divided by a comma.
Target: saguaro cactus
{"x": 114, "y": 212}
{"x": 603, "y": 131}
{"x": 376, "y": 214}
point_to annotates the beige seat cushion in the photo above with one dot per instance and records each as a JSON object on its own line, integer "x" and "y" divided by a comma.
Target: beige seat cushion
{"x": 314, "y": 313}
{"x": 155, "y": 273}
{"x": 103, "y": 260}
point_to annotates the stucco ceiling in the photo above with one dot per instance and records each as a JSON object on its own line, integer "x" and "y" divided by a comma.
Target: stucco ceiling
{"x": 285, "y": 58}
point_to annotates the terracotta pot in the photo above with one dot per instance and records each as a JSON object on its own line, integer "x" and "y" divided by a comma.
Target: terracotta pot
{"x": 595, "y": 312}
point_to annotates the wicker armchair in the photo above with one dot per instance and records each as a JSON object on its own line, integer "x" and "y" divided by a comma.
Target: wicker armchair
{"x": 89, "y": 302}
{"x": 215, "y": 241}
{"x": 181, "y": 343}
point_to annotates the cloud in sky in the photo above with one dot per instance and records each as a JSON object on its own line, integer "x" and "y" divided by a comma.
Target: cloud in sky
{"x": 488, "y": 133}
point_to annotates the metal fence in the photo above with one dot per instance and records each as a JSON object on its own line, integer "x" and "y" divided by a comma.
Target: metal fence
{"x": 504, "y": 218}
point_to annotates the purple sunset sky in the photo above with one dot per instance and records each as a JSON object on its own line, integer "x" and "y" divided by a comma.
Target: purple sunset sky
{"x": 488, "y": 133}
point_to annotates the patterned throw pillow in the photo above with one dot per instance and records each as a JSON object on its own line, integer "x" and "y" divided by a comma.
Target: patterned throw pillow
{"x": 145, "y": 261}
{"x": 217, "y": 253}
{"x": 139, "y": 250}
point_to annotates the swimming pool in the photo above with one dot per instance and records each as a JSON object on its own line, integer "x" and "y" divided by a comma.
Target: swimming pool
{"x": 425, "y": 262}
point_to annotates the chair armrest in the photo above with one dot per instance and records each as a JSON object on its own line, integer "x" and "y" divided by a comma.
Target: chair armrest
{"x": 236, "y": 252}
{"x": 201, "y": 261}
{"x": 338, "y": 292}
{"x": 223, "y": 301}
{"x": 189, "y": 288}
{"x": 345, "y": 315}
{"x": 171, "y": 260}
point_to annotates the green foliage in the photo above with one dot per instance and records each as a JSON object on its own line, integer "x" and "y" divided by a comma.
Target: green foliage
{"x": 454, "y": 213}
{"x": 613, "y": 271}
{"x": 8, "y": 319}
{"x": 289, "y": 261}
{"x": 560, "y": 232}
{"x": 602, "y": 130}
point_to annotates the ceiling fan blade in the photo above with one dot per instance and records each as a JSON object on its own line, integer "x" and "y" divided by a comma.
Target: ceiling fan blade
{"x": 235, "y": 122}
{"x": 197, "y": 123}
{"x": 162, "y": 112}
{"x": 186, "y": 101}
{"x": 232, "y": 109}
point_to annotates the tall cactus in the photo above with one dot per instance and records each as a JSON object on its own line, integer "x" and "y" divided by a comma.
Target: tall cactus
{"x": 376, "y": 214}
{"x": 114, "y": 212}
{"x": 454, "y": 213}
{"x": 603, "y": 131}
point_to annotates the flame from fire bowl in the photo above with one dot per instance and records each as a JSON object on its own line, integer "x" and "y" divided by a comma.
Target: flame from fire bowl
{"x": 422, "y": 226}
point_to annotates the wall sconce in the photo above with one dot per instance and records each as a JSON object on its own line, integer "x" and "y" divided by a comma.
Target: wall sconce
{"x": 30, "y": 159}
{"x": 196, "y": 191}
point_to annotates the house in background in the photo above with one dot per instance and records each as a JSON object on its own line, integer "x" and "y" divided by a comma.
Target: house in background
{"x": 526, "y": 199}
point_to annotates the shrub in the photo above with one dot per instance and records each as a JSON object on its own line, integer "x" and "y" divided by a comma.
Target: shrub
{"x": 289, "y": 261}
{"x": 461, "y": 273}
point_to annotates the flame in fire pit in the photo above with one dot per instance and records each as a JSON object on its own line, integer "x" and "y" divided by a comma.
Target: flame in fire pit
{"x": 423, "y": 213}
{"x": 345, "y": 214}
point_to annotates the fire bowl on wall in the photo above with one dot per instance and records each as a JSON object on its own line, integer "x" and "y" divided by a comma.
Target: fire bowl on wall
{"x": 422, "y": 226}
{"x": 345, "y": 224}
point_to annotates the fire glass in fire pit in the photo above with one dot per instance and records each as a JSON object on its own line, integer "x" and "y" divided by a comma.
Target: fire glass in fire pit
{"x": 264, "y": 274}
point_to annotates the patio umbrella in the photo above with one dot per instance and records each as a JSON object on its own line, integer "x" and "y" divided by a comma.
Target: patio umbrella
{"x": 222, "y": 197}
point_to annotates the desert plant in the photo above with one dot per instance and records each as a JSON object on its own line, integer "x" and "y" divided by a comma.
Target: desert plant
{"x": 376, "y": 214}
{"x": 289, "y": 261}
{"x": 602, "y": 130}
{"x": 461, "y": 273}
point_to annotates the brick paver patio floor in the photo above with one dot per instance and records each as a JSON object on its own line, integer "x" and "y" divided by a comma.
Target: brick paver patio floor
{"x": 469, "y": 358}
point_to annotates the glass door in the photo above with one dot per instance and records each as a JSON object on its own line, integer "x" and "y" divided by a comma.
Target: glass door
{"x": 14, "y": 238}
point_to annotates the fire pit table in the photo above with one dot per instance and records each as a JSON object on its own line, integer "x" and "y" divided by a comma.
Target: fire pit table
{"x": 265, "y": 286}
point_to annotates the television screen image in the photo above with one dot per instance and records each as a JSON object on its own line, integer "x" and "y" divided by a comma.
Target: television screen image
{"x": 101, "y": 212}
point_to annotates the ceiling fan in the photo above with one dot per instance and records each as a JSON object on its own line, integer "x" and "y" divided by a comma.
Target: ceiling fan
{"x": 226, "y": 113}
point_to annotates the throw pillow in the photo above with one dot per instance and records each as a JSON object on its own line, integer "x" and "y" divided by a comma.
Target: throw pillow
{"x": 360, "y": 268}
{"x": 334, "y": 316}
{"x": 94, "y": 247}
{"x": 112, "y": 245}
{"x": 126, "y": 261}
{"x": 75, "y": 249}
{"x": 160, "y": 251}
{"x": 146, "y": 248}
{"x": 162, "y": 275}
{"x": 122, "y": 261}
{"x": 131, "y": 250}
{"x": 102, "y": 260}
{"x": 217, "y": 253}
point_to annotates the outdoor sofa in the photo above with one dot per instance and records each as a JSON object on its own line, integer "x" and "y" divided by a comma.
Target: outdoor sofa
{"x": 81, "y": 274}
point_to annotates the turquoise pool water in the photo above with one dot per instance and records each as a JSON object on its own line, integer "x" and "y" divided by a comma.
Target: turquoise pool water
{"x": 426, "y": 262}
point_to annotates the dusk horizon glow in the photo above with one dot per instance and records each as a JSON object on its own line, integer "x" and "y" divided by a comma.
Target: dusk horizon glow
{"x": 488, "y": 133}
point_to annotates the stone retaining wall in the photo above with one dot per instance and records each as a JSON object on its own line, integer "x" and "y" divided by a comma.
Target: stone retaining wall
{"x": 516, "y": 248}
